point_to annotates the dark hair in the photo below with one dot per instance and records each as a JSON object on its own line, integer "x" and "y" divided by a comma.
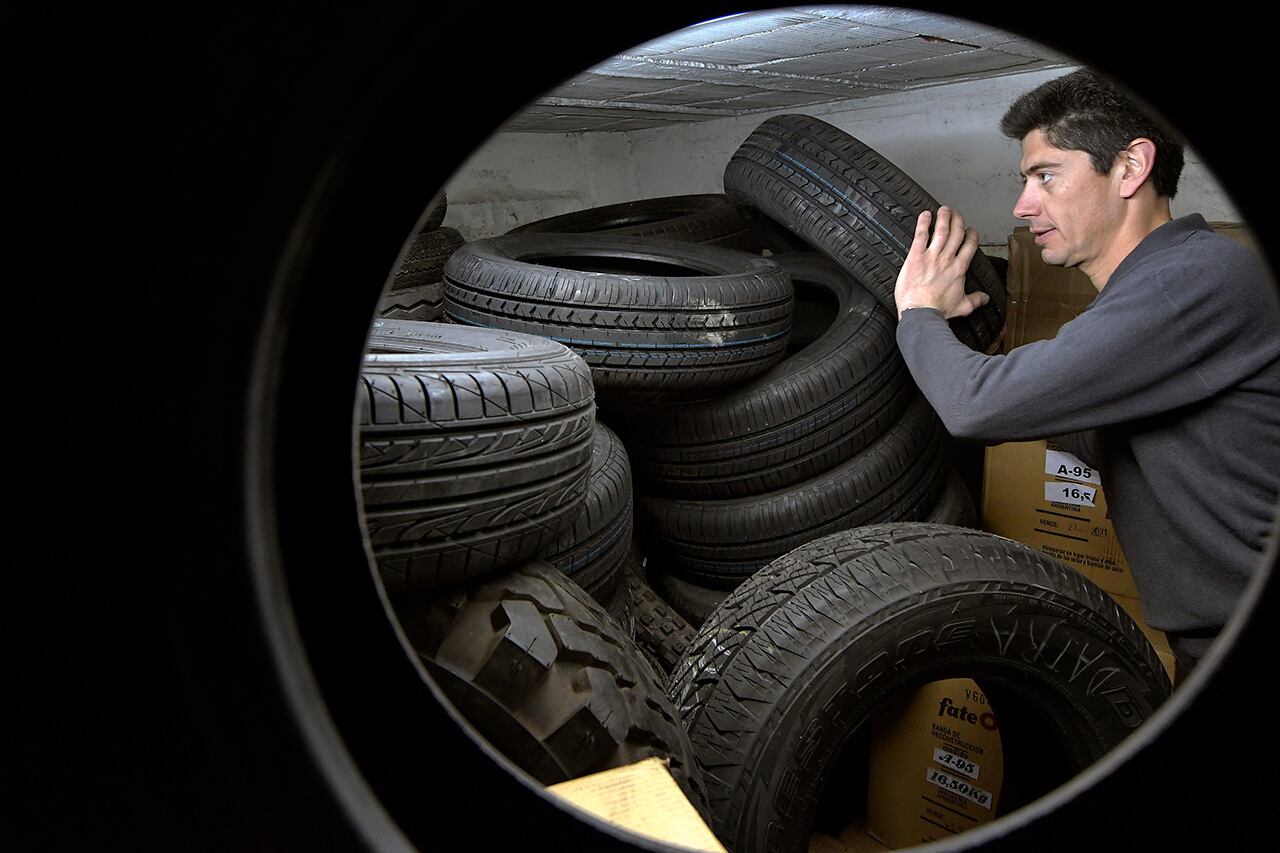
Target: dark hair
{"x": 1083, "y": 112}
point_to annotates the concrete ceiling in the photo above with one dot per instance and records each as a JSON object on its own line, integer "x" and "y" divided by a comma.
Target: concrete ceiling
{"x": 780, "y": 59}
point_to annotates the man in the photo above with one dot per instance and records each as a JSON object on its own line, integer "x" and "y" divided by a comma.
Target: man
{"x": 1169, "y": 380}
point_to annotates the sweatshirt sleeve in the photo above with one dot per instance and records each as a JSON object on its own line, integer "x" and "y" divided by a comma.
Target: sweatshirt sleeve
{"x": 1151, "y": 344}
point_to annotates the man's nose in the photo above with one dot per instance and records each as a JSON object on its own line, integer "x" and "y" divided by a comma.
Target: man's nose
{"x": 1028, "y": 205}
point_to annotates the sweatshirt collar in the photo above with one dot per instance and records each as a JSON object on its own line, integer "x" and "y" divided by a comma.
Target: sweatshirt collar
{"x": 1169, "y": 234}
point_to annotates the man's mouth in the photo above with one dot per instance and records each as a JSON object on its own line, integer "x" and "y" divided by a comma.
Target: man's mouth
{"x": 1041, "y": 235}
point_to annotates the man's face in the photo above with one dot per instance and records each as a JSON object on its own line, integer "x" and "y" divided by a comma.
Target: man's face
{"x": 1072, "y": 210}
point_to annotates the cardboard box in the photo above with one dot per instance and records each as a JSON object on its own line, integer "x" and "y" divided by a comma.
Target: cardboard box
{"x": 1161, "y": 643}
{"x": 643, "y": 798}
{"x": 1042, "y": 297}
{"x": 936, "y": 765}
{"x": 1038, "y": 494}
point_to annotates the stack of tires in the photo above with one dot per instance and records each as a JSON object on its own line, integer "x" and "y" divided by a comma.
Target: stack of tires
{"x": 799, "y": 558}
{"x": 415, "y": 291}
{"x": 499, "y": 515}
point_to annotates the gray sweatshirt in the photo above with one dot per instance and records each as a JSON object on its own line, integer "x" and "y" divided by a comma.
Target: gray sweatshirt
{"x": 1175, "y": 367}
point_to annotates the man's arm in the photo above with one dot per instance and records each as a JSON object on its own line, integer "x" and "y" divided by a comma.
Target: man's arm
{"x": 1139, "y": 351}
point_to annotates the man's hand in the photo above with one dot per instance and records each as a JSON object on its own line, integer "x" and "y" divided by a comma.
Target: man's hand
{"x": 933, "y": 274}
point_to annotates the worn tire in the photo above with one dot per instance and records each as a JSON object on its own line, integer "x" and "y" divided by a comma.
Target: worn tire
{"x": 424, "y": 303}
{"x": 546, "y": 676}
{"x": 720, "y": 543}
{"x": 644, "y": 313}
{"x": 424, "y": 263}
{"x": 691, "y": 600}
{"x": 788, "y": 672}
{"x": 853, "y": 205}
{"x": 812, "y": 411}
{"x": 592, "y": 551}
{"x": 435, "y": 212}
{"x": 660, "y": 630}
{"x": 955, "y": 504}
{"x": 708, "y": 218}
{"x": 475, "y": 447}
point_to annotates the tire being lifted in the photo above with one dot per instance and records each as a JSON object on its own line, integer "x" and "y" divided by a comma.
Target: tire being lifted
{"x": 810, "y": 412}
{"x": 708, "y": 218}
{"x": 790, "y": 669}
{"x": 547, "y": 676}
{"x": 853, "y": 205}
{"x": 475, "y": 446}
{"x": 644, "y": 313}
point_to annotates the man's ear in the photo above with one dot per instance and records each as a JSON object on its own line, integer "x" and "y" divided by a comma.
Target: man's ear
{"x": 1135, "y": 163}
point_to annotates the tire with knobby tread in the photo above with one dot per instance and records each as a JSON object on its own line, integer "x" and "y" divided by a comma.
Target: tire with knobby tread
{"x": 424, "y": 263}
{"x": 706, "y": 218}
{"x": 435, "y": 212}
{"x": 853, "y": 205}
{"x": 721, "y": 543}
{"x": 644, "y": 313}
{"x": 593, "y": 550}
{"x": 659, "y": 629}
{"x": 475, "y": 446}
{"x": 790, "y": 670}
{"x": 808, "y": 413}
{"x": 546, "y": 676}
{"x": 424, "y": 303}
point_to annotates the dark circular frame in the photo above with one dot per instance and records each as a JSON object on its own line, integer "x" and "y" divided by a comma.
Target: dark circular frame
{"x": 288, "y": 712}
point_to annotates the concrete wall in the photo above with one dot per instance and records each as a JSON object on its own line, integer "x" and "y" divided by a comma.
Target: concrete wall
{"x": 945, "y": 137}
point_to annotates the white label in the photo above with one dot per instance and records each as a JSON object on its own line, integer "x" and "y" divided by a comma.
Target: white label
{"x": 1061, "y": 464}
{"x": 1070, "y": 493}
{"x": 947, "y": 782}
{"x": 956, "y": 763}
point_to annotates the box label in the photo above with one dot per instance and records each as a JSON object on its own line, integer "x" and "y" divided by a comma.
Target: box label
{"x": 947, "y": 782}
{"x": 958, "y": 764}
{"x": 1059, "y": 463}
{"x": 1070, "y": 493}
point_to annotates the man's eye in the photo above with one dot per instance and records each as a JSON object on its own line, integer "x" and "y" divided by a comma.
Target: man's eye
{"x": 1045, "y": 177}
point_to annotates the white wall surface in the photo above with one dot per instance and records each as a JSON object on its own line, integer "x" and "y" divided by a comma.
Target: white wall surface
{"x": 946, "y": 138}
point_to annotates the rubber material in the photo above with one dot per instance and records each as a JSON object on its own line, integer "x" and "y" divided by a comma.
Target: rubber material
{"x": 853, "y": 205}
{"x": 424, "y": 303}
{"x": 644, "y": 313}
{"x": 691, "y": 600}
{"x": 547, "y": 676}
{"x": 435, "y": 212}
{"x": 955, "y": 504}
{"x": 800, "y": 657}
{"x": 475, "y": 446}
{"x": 592, "y": 551}
{"x": 708, "y": 218}
{"x": 719, "y": 543}
{"x": 424, "y": 263}
{"x": 810, "y": 412}
{"x": 659, "y": 630}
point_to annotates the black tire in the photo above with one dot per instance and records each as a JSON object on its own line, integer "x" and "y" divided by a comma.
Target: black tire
{"x": 785, "y": 676}
{"x": 850, "y": 203}
{"x": 721, "y": 543}
{"x": 547, "y": 676}
{"x": 659, "y": 631}
{"x": 424, "y": 263}
{"x": 810, "y": 412}
{"x": 621, "y": 608}
{"x": 424, "y": 303}
{"x": 709, "y": 218}
{"x": 435, "y": 212}
{"x": 644, "y": 313}
{"x": 691, "y": 600}
{"x": 592, "y": 551}
{"x": 475, "y": 446}
{"x": 955, "y": 504}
